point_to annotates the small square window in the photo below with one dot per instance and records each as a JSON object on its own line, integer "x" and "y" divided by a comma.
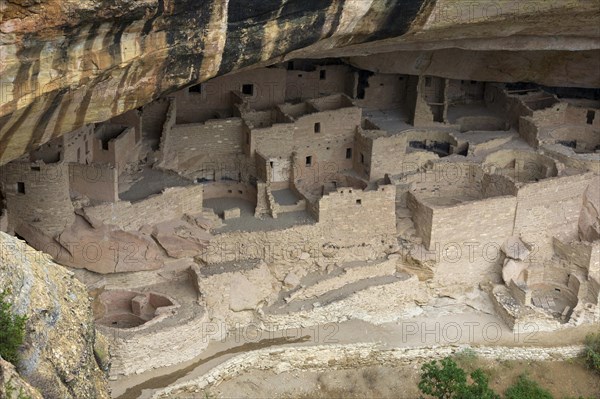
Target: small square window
{"x": 323, "y": 74}
{"x": 308, "y": 161}
{"x": 196, "y": 89}
{"x": 358, "y": 202}
{"x": 318, "y": 127}
{"x": 248, "y": 89}
{"x": 348, "y": 153}
{"x": 21, "y": 187}
{"x": 240, "y": 192}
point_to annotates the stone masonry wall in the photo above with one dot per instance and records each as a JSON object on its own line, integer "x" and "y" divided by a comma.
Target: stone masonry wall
{"x": 549, "y": 207}
{"x": 119, "y": 152}
{"x": 78, "y": 145}
{"x": 485, "y": 221}
{"x": 172, "y": 203}
{"x": 200, "y": 146}
{"x": 96, "y": 181}
{"x": 38, "y": 194}
{"x": 354, "y": 215}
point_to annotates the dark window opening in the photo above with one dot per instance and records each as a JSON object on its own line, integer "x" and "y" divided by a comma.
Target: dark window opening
{"x": 441, "y": 148}
{"x": 195, "y": 89}
{"x": 308, "y": 161}
{"x": 271, "y": 163}
{"x": 299, "y": 75}
{"x": 21, "y": 187}
{"x": 105, "y": 145}
{"x": 35, "y": 168}
{"x": 323, "y": 74}
{"x": 557, "y": 289}
{"x": 362, "y": 158}
{"x": 290, "y": 65}
{"x": 247, "y": 138}
{"x": 348, "y": 153}
{"x": 248, "y": 89}
{"x": 318, "y": 127}
{"x": 473, "y": 82}
{"x": 464, "y": 151}
{"x": 79, "y": 155}
{"x": 427, "y": 81}
{"x": 240, "y": 192}
{"x": 363, "y": 83}
{"x": 358, "y": 202}
{"x": 590, "y": 117}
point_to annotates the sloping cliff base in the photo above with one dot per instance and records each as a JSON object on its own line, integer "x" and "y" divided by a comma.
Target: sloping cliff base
{"x": 58, "y": 356}
{"x": 12, "y": 385}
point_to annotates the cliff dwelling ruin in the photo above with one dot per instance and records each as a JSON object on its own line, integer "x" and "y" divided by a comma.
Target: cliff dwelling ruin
{"x": 233, "y": 193}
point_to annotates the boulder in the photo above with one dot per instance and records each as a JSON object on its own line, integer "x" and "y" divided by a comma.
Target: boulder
{"x": 514, "y": 248}
{"x": 512, "y": 271}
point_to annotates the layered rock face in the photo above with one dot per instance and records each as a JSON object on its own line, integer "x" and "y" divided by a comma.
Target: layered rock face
{"x": 65, "y": 63}
{"x": 58, "y": 354}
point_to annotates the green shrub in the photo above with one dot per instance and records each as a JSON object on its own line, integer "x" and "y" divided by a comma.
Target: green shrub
{"x": 525, "y": 388}
{"x": 592, "y": 351}
{"x": 12, "y": 331}
{"x": 448, "y": 381}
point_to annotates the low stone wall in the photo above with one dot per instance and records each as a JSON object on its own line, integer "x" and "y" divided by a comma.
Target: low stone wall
{"x": 326, "y": 357}
{"x": 172, "y": 203}
{"x": 161, "y": 346}
{"x": 229, "y": 189}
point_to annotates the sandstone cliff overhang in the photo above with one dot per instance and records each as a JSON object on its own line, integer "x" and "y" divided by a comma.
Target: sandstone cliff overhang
{"x": 65, "y": 63}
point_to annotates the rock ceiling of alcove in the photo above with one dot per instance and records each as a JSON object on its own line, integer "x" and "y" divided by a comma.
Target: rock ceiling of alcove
{"x": 65, "y": 63}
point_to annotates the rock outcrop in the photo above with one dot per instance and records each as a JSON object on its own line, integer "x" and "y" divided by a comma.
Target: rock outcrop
{"x": 65, "y": 63}
{"x": 12, "y": 386}
{"x": 58, "y": 355}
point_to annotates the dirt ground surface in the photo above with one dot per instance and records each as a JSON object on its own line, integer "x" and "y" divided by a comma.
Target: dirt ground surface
{"x": 571, "y": 379}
